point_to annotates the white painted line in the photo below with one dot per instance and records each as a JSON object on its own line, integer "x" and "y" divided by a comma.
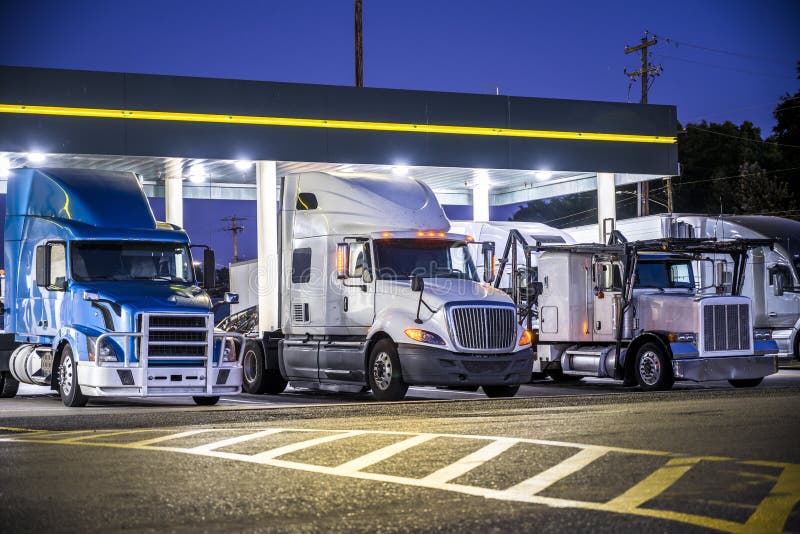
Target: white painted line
{"x": 286, "y": 449}
{"x": 471, "y": 461}
{"x": 547, "y": 478}
{"x": 382, "y": 454}
{"x": 235, "y": 440}
{"x": 168, "y": 437}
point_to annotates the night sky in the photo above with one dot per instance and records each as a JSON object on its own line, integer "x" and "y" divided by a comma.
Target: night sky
{"x": 527, "y": 48}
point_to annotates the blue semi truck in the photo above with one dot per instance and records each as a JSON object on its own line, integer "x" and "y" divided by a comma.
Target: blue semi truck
{"x": 101, "y": 300}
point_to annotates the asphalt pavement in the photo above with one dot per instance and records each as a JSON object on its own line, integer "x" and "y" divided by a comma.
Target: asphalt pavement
{"x": 592, "y": 456}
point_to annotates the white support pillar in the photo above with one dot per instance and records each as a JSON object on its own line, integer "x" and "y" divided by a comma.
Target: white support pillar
{"x": 268, "y": 261}
{"x": 480, "y": 202}
{"x": 606, "y": 205}
{"x": 173, "y": 192}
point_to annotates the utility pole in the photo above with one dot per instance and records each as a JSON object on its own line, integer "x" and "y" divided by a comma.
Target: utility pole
{"x": 668, "y": 180}
{"x": 646, "y": 72}
{"x": 359, "y": 49}
{"x": 235, "y": 229}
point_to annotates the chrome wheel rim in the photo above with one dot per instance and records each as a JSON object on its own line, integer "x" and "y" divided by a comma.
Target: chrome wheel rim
{"x": 249, "y": 366}
{"x": 382, "y": 371}
{"x": 650, "y": 368}
{"x": 65, "y": 376}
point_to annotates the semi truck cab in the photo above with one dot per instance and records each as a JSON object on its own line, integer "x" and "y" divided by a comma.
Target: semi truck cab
{"x": 101, "y": 299}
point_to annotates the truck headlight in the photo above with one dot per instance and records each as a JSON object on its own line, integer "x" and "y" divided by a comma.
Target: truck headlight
{"x": 229, "y": 352}
{"x": 104, "y": 353}
{"x": 682, "y": 337}
{"x": 526, "y": 338}
{"x": 423, "y": 336}
{"x": 762, "y": 334}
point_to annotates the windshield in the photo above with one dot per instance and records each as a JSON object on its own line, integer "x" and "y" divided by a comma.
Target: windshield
{"x": 400, "y": 259}
{"x": 128, "y": 260}
{"x": 664, "y": 275}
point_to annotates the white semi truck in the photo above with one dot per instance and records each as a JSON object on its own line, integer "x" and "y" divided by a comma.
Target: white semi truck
{"x": 376, "y": 293}
{"x": 631, "y": 311}
{"x": 771, "y": 278}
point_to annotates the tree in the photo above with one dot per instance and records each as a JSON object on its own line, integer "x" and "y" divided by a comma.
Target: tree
{"x": 759, "y": 193}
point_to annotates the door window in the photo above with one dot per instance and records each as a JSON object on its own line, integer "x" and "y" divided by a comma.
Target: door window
{"x": 301, "y": 266}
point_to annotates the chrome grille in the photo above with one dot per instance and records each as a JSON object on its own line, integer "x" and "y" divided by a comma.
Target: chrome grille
{"x": 176, "y": 339}
{"x": 726, "y": 327}
{"x": 483, "y": 328}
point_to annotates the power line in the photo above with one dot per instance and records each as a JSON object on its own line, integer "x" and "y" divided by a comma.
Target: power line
{"x": 707, "y": 64}
{"x": 694, "y": 127}
{"x": 743, "y": 175}
{"x": 678, "y": 43}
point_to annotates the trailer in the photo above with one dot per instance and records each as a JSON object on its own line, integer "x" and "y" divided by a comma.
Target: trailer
{"x": 101, "y": 300}
{"x": 376, "y": 293}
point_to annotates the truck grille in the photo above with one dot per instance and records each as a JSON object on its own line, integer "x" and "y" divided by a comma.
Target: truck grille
{"x": 726, "y": 327}
{"x": 177, "y": 339}
{"x": 483, "y": 328}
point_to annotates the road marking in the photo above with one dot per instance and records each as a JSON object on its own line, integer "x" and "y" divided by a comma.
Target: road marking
{"x": 545, "y": 479}
{"x": 654, "y": 485}
{"x": 235, "y": 440}
{"x": 168, "y": 437}
{"x": 471, "y": 461}
{"x": 362, "y": 462}
{"x": 770, "y": 515}
{"x": 294, "y": 447}
{"x": 774, "y": 510}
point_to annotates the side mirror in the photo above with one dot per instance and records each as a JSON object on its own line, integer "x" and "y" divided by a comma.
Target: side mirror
{"x": 342, "y": 260}
{"x": 231, "y": 298}
{"x": 42, "y": 261}
{"x": 209, "y": 269}
{"x": 777, "y": 284}
{"x": 487, "y": 251}
{"x": 366, "y": 276}
{"x": 417, "y": 284}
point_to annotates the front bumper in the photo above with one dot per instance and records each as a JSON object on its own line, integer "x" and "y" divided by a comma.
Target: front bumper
{"x": 117, "y": 381}
{"x": 429, "y": 366}
{"x": 724, "y": 367}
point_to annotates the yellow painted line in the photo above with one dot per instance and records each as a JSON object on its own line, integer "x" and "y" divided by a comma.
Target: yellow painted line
{"x": 98, "y": 435}
{"x": 547, "y": 478}
{"x": 17, "y": 429}
{"x": 330, "y": 124}
{"x": 379, "y": 455}
{"x": 774, "y": 510}
{"x": 654, "y": 485}
{"x": 471, "y": 461}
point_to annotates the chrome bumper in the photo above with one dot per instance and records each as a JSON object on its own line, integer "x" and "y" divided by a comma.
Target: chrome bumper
{"x": 725, "y": 367}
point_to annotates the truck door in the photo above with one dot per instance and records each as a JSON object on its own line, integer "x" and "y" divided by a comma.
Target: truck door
{"x": 358, "y": 289}
{"x": 51, "y": 283}
{"x": 782, "y": 306}
{"x": 607, "y": 287}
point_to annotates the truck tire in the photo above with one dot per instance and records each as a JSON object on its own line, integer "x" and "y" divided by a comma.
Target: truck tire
{"x": 745, "y": 382}
{"x": 205, "y": 401}
{"x": 652, "y": 368}
{"x": 253, "y": 368}
{"x": 68, "y": 386}
{"x": 8, "y": 385}
{"x": 494, "y": 392}
{"x": 384, "y": 373}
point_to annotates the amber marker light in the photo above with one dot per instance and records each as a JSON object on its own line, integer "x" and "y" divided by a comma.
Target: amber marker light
{"x": 526, "y": 338}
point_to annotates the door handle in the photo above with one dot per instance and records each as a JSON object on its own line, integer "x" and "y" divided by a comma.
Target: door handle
{"x": 346, "y": 302}
{"x": 773, "y": 314}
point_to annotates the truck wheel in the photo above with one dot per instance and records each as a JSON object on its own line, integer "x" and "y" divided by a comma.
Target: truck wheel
{"x": 253, "y": 368}
{"x": 494, "y": 392}
{"x": 273, "y": 382}
{"x": 68, "y": 386}
{"x": 205, "y": 401}
{"x": 385, "y": 375}
{"x": 745, "y": 382}
{"x": 652, "y": 368}
{"x": 8, "y": 385}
